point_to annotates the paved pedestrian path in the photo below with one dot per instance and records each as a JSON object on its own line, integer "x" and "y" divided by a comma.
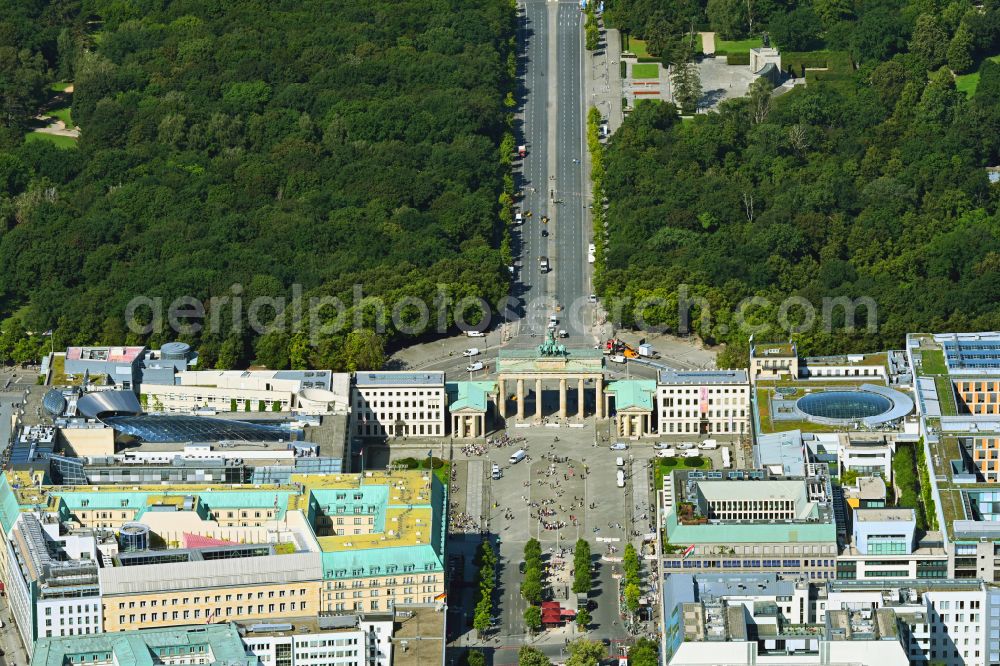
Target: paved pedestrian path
{"x": 474, "y": 488}
{"x": 707, "y": 42}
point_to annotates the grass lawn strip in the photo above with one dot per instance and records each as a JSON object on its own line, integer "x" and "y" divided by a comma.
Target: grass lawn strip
{"x": 646, "y": 71}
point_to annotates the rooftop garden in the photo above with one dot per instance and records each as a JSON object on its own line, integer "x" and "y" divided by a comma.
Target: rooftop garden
{"x": 946, "y": 395}
{"x": 767, "y": 424}
{"x": 932, "y": 362}
{"x": 687, "y": 514}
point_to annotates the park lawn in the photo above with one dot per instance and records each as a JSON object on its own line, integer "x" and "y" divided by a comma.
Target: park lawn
{"x": 723, "y": 46}
{"x": 967, "y": 83}
{"x": 646, "y": 71}
{"x": 59, "y": 141}
{"x": 638, "y": 47}
{"x": 60, "y": 86}
{"x": 63, "y": 114}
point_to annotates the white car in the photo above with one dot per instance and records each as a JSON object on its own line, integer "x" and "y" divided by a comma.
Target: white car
{"x": 685, "y": 446}
{"x": 478, "y": 365}
{"x": 616, "y": 358}
{"x": 592, "y": 249}
{"x": 593, "y": 298}
{"x": 563, "y": 333}
{"x": 473, "y": 351}
{"x": 475, "y": 334}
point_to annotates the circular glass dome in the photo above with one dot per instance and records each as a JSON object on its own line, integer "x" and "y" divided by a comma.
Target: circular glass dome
{"x": 844, "y": 405}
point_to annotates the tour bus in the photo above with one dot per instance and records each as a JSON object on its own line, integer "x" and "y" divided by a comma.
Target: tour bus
{"x": 727, "y": 462}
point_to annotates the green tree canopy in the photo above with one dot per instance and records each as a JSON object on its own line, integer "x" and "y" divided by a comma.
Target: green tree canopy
{"x": 583, "y": 652}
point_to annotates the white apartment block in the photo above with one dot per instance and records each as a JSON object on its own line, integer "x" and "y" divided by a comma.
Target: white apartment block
{"x": 53, "y": 590}
{"x": 947, "y": 623}
{"x": 703, "y": 402}
{"x": 398, "y": 404}
{"x": 339, "y": 640}
{"x": 310, "y": 391}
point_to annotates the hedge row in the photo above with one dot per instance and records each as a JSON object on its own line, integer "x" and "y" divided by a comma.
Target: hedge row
{"x": 596, "y": 149}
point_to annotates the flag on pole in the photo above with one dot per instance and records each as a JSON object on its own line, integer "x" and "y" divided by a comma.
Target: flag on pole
{"x": 687, "y": 551}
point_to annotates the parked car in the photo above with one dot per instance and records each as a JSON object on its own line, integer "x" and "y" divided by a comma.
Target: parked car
{"x": 619, "y": 446}
{"x": 620, "y": 477}
{"x": 478, "y": 365}
{"x": 616, "y": 358}
{"x": 593, "y": 298}
{"x": 619, "y": 462}
{"x": 475, "y": 334}
{"x": 692, "y": 453}
{"x": 563, "y": 333}
{"x": 471, "y": 351}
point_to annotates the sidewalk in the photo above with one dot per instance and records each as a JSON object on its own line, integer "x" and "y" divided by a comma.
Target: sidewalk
{"x": 602, "y": 80}
{"x": 10, "y": 640}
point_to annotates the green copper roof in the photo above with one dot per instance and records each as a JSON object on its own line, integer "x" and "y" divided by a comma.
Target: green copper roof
{"x": 372, "y": 498}
{"x": 750, "y": 532}
{"x": 9, "y": 508}
{"x": 469, "y": 395}
{"x": 633, "y": 393}
{"x": 216, "y": 643}
{"x": 213, "y": 499}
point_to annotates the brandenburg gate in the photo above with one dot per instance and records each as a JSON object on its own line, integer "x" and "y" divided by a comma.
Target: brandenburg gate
{"x": 550, "y": 361}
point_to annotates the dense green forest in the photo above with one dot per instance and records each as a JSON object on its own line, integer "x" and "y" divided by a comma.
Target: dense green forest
{"x": 873, "y": 186}
{"x": 260, "y": 143}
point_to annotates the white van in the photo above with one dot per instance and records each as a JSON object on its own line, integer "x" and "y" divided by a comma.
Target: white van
{"x": 692, "y": 453}
{"x": 472, "y": 367}
{"x": 496, "y": 473}
{"x": 620, "y": 476}
{"x": 709, "y": 445}
{"x": 619, "y": 462}
{"x": 666, "y": 453}
{"x": 517, "y": 456}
